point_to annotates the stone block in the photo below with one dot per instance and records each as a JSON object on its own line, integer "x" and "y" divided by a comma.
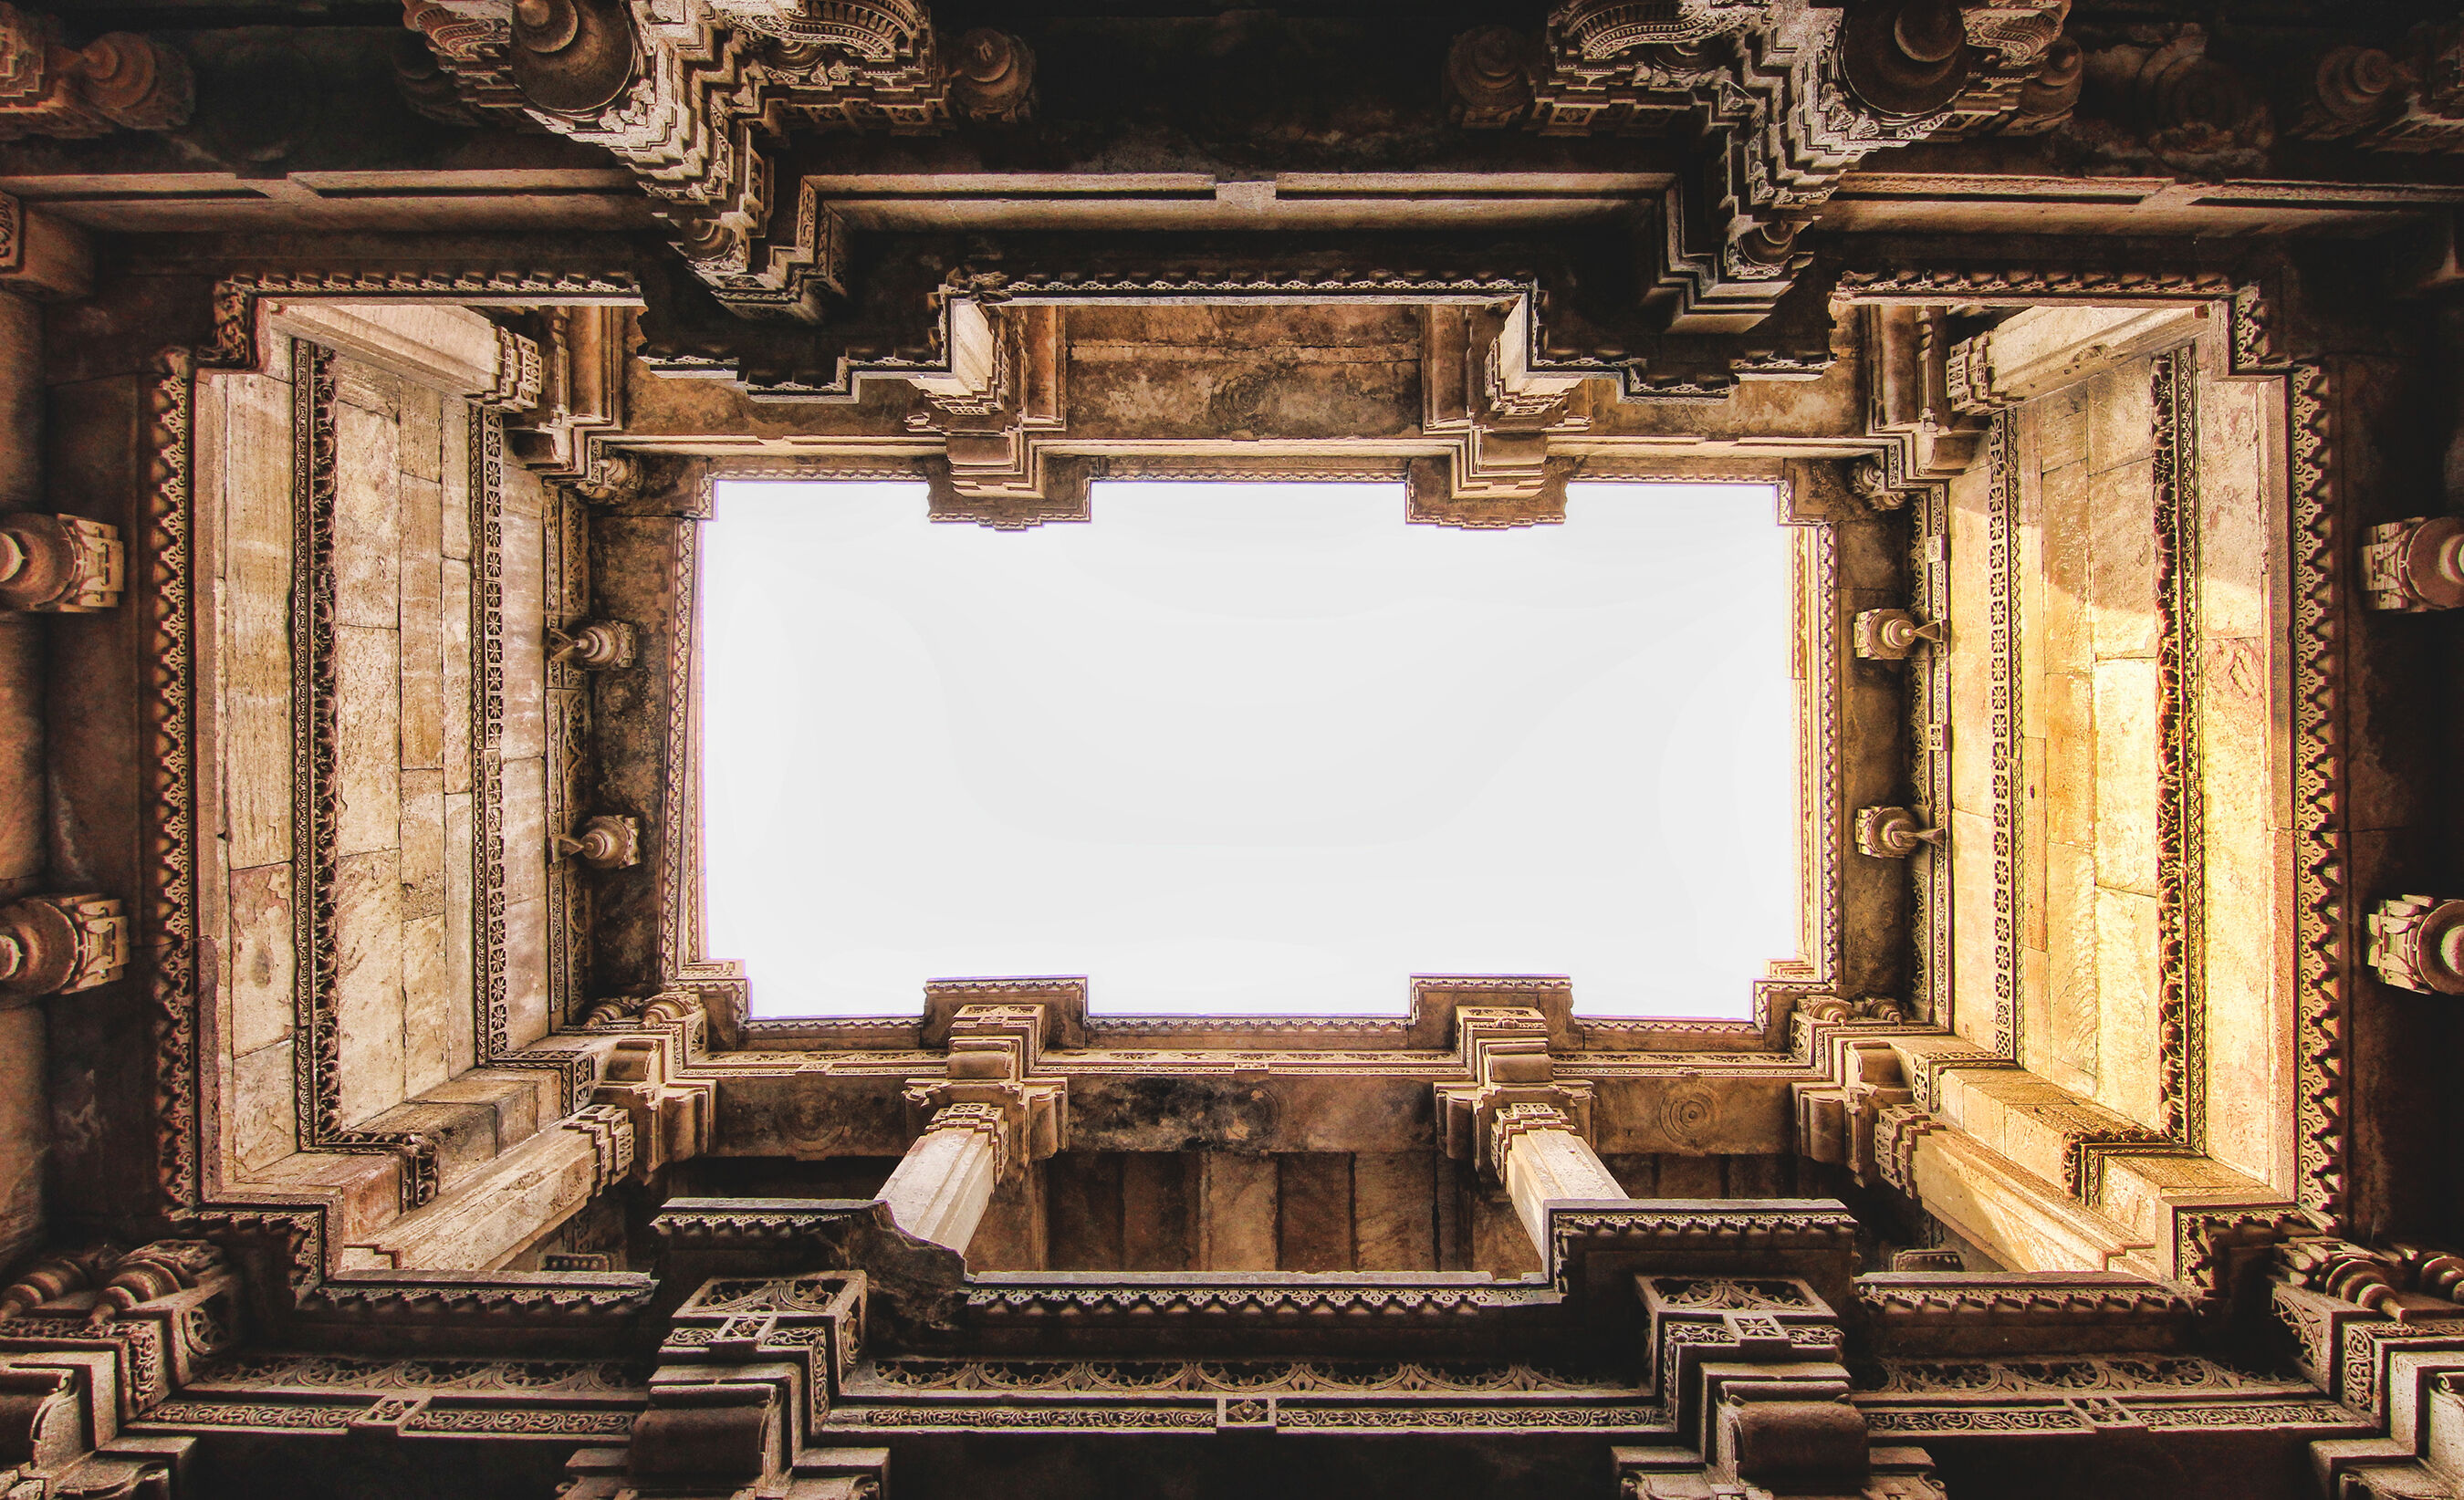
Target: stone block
{"x": 1315, "y": 1192}
{"x": 263, "y": 1002}
{"x": 255, "y": 649}
{"x": 2127, "y": 790}
{"x": 456, "y": 428}
{"x": 2068, "y": 1042}
{"x": 526, "y": 831}
{"x": 525, "y": 626}
{"x": 525, "y": 973}
{"x": 422, "y": 431}
{"x": 367, "y": 770}
{"x": 1237, "y": 1212}
{"x": 368, "y": 505}
{"x": 1156, "y": 1192}
{"x": 1393, "y": 1227}
{"x": 2053, "y": 606}
{"x": 2059, "y": 424}
{"x": 261, "y": 1113}
{"x": 1972, "y": 956}
{"x": 362, "y": 387}
{"x": 455, "y": 666}
{"x": 2240, "y": 488}
{"x": 25, "y": 1128}
{"x": 459, "y": 915}
{"x": 432, "y": 1007}
{"x": 2121, "y": 416}
{"x": 2127, "y": 1078}
{"x": 424, "y": 708}
{"x": 2069, "y": 699}
{"x": 367, "y": 985}
{"x": 423, "y": 845}
{"x": 2121, "y": 560}
{"x": 22, "y": 855}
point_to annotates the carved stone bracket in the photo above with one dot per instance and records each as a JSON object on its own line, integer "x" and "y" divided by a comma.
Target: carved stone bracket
{"x": 594, "y": 645}
{"x": 59, "y": 944}
{"x": 1484, "y": 392}
{"x": 604, "y": 841}
{"x": 1892, "y": 634}
{"x": 1837, "y": 1123}
{"x": 2417, "y": 943}
{"x": 1893, "y": 832}
{"x": 1911, "y": 396}
{"x": 60, "y": 565}
{"x": 117, "y": 81}
{"x": 999, "y": 404}
{"x": 568, "y": 391}
{"x": 2415, "y": 566}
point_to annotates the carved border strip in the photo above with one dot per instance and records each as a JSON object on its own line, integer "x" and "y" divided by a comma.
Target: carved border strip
{"x": 236, "y": 298}
{"x": 316, "y": 792}
{"x": 2181, "y": 809}
{"x": 2002, "y": 570}
{"x": 680, "y": 901}
{"x": 492, "y": 1038}
{"x": 171, "y": 871}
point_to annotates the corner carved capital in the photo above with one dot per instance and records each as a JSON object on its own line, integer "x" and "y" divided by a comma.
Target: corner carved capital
{"x": 2417, "y": 943}
{"x": 59, "y": 944}
{"x": 60, "y": 564}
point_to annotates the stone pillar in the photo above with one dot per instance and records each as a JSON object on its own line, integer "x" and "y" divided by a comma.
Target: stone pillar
{"x": 941, "y": 1187}
{"x": 1542, "y": 1159}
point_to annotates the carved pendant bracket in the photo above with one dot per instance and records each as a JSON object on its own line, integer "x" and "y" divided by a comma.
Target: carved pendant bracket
{"x": 60, "y": 564}
{"x": 59, "y": 944}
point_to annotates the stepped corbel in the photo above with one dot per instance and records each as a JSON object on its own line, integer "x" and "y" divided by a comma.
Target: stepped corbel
{"x": 983, "y": 1120}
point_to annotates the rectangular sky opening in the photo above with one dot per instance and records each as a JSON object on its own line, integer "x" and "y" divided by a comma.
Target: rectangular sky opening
{"x": 1238, "y": 748}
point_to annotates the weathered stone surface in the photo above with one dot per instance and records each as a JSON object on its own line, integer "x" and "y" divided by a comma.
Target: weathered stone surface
{"x": 432, "y": 1007}
{"x": 1393, "y": 1227}
{"x": 2121, "y": 560}
{"x": 453, "y": 676}
{"x": 424, "y": 704}
{"x": 367, "y": 505}
{"x": 254, "y": 651}
{"x": 367, "y": 986}
{"x": 525, "y": 642}
{"x": 526, "y": 972}
{"x": 526, "y": 831}
{"x": 1238, "y": 1209}
{"x": 21, "y": 748}
{"x": 453, "y": 476}
{"x": 2121, "y": 416}
{"x": 367, "y": 769}
{"x": 262, "y": 1125}
{"x": 262, "y": 1003}
{"x": 422, "y": 433}
{"x": 1315, "y": 1195}
{"x": 25, "y": 1129}
{"x": 460, "y": 915}
{"x": 2127, "y": 707}
{"x": 2126, "y": 998}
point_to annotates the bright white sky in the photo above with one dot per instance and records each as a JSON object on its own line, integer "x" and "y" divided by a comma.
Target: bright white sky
{"x": 1248, "y": 748}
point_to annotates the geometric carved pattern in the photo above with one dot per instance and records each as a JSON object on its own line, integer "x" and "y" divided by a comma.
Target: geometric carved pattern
{"x": 317, "y": 792}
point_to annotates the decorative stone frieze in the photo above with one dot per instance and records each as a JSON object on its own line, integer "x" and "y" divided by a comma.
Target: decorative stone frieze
{"x": 60, "y": 565}
{"x": 1893, "y": 635}
{"x": 594, "y": 645}
{"x": 2414, "y": 566}
{"x": 1893, "y": 832}
{"x": 59, "y": 944}
{"x": 117, "y": 81}
{"x": 603, "y": 841}
{"x": 2417, "y": 943}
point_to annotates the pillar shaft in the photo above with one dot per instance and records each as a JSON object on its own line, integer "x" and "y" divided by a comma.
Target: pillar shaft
{"x": 1542, "y": 1161}
{"x": 946, "y": 1179}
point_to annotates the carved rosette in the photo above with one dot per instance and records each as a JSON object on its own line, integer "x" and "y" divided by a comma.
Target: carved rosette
{"x": 59, "y": 944}
{"x": 2417, "y": 943}
{"x": 1892, "y": 833}
{"x": 2414, "y": 566}
{"x": 60, "y": 564}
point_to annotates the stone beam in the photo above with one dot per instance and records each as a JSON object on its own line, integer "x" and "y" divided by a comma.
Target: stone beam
{"x": 517, "y": 1201}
